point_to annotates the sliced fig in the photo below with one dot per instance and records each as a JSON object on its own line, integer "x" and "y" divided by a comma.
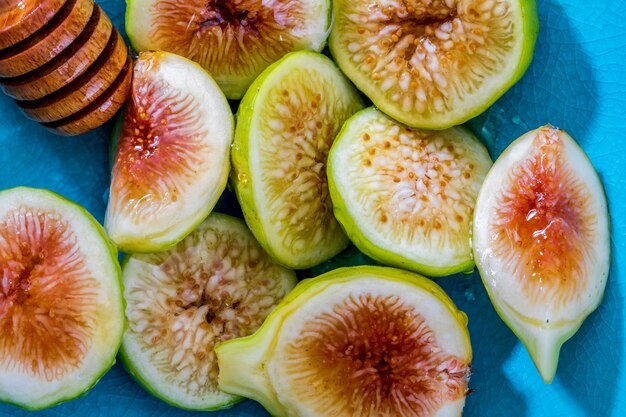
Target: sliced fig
{"x": 172, "y": 157}
{"x": 217, "y": 284}
{"x": 541, "y": 241}
{"x": 406, "y": 196}
{"x": 285, "y": 126}
{"x": 61, "y": 307}
{"x": 359, "y": 341}
{"x": 234, "y": 40}
{"x": 434, "y": 64}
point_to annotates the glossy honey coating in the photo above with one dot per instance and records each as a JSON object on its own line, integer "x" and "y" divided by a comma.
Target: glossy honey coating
{"x": 60, "y": 60}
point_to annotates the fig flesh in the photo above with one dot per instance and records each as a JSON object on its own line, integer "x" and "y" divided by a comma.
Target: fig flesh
{"x": 359, "y": 341}
{"x": 172, "y": 157}
{"x": 61, "y": 307}
{"x": 215, "y": 285}
{"x": 405, "y": 196}
{"x": 434, "y": 64}
{"x": 233, "y": 40}
{"x": 285, "y": 126}
{"x": 541, "y": 241}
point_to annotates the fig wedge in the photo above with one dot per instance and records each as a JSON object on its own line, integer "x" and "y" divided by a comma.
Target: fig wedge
{"x": 406, "y": 196}
{"x": 285, "y": 125}
{"x": 217, "y": 284}
{"x": 359, "y": 341}
{"x": 172, "y": 158}
{"x": 541, "y": 241}
{"x": 434, "y": 64}
{"x": 61, "y": 306}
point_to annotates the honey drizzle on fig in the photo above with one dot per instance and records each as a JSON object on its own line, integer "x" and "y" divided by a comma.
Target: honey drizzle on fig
{"x": 544, "y": 223}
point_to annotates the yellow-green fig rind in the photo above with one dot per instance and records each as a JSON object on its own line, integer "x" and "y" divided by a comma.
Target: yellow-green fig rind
{"x": 251, "y": 175}
{"x": 544, "y": 322}
{"x": 115, "y": 319}
{"x": 244, "y": 362}
{"x": 345, "y": 51}
{"x": 130, "y": 367}
{"x": 358, "y": 222}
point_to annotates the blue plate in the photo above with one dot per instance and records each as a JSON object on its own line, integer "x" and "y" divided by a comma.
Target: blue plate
{"x": 577, "y": 81}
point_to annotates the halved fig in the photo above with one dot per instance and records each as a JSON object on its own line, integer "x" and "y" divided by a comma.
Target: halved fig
{"x": 541, "y": 241}
{"x": 360, "y": 341}
{"x": 406, "y": 196}
{"x": 217, "y": 284}
{"x": 234, "y": 40}
{"x": 285, "y": 126}
{"x": 434, "y": 64}
{"x": 172, "y": 157}
{"x": 61, "y": 307}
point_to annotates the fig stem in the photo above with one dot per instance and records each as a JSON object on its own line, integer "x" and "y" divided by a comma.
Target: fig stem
{"x": 247, "y": 357}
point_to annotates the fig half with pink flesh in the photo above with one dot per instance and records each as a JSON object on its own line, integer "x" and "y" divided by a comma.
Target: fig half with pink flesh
{"x": 61, "y": 306}
{"x": 541, "y": 241}
{"x": 359, "y": 341}
{"x": 234, "y": 40}
{"x": 172, "y": 158}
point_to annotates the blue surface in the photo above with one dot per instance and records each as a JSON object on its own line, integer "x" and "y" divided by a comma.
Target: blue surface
{"x": 577, "y": 81}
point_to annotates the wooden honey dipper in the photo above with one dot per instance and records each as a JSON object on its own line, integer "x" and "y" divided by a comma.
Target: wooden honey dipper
{"x": 63, "y": 62}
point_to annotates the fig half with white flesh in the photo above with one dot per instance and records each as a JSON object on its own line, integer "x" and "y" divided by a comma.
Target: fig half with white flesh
{"x": 173, "y": 154}
{"x": 216, "y": 284}
{"x": 541, "y": 241}
{"x": 61, "y": 306}
{"x": 406, "y": 196}
{"x": 359, "y": 341}
{"x": 234, "y": 40}
{"x": 286, "y": 124}
{"x": 437, "y": 63}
